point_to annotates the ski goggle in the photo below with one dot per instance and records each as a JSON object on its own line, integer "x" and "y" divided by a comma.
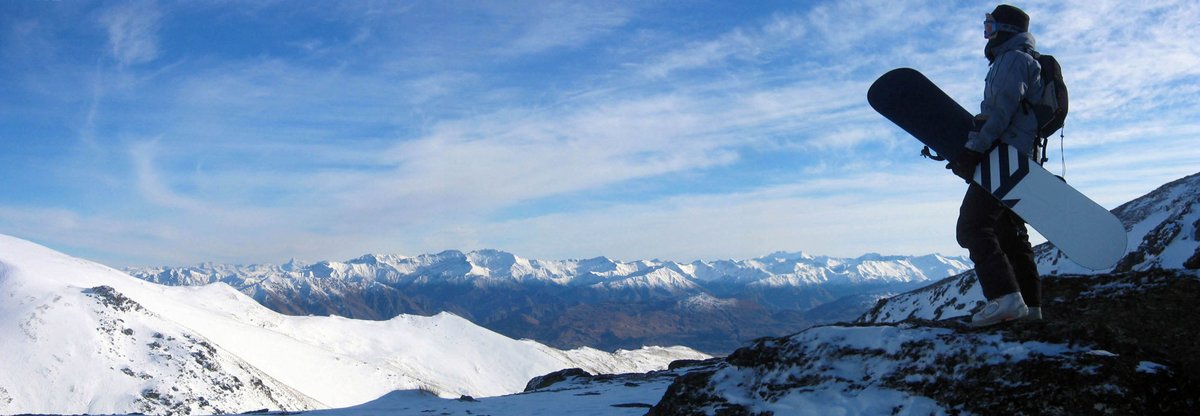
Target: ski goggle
{"x": 991, "y": 27}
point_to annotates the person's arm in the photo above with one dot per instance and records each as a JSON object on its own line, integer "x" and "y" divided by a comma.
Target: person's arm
{"x": 1007, "y": 88}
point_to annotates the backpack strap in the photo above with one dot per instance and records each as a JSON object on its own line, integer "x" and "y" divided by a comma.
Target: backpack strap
{"x": 1039, "y": 144}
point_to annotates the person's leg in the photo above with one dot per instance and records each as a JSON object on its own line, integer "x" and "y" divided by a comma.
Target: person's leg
{"x": 1014, "y": 240}
{"x": 977, "y": 232}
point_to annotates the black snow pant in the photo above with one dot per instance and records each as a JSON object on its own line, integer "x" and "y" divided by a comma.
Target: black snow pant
{"x": 998, "y": 243}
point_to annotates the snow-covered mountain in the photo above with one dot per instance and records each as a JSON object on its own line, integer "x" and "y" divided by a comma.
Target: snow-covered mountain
{"x": 629, "y": 304}
{"x": 79, "y": 337}
{"x": 492, "y": 267}
{"x": 1164, "y": 233}
{"x": 1108, "y": 357}
{"x": 1112, "y": 343}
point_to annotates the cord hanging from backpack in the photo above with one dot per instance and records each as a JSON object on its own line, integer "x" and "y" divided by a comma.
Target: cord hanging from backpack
{"x": 1062, "y": 154}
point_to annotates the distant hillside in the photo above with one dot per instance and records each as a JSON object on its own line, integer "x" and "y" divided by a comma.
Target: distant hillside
{"x": 77, "y": 337}
{"x": 600, "y": 302}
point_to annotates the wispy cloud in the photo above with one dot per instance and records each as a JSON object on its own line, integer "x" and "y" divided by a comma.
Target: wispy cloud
{"x": 150, "y": 184}
{"x": 844, "y": 215}
{"x": 132, "y": 32}
{"x": 554, "y": 129}
{"x": 565, "y": 24}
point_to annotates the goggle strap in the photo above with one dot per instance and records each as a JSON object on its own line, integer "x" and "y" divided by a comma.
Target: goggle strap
{"x": 1005, "y": 27}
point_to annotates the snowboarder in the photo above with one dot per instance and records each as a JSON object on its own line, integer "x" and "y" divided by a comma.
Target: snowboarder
{"x": 995, "y": 237}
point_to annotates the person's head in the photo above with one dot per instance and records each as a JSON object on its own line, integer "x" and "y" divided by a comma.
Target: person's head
{"x": 1005, "y": 19}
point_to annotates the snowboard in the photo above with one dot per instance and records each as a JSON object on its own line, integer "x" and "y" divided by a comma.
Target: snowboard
{"x": 1084, "y": 231}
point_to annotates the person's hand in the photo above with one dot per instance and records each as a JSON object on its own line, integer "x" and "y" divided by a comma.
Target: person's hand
{"x": 964, "y": 165}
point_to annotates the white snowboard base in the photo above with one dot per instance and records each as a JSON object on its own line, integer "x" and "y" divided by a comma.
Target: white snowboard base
{"x": 1082, "y": 229}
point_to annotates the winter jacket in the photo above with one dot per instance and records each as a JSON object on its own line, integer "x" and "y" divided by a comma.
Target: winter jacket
{"x": 1013, "y": 76}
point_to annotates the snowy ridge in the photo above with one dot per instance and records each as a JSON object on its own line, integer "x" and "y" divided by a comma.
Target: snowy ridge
{"x": 598, "y": 302}
{"x": 95, "y": 340}
{"x": 1164, "y": 230}
{"x": 496, "y": 267}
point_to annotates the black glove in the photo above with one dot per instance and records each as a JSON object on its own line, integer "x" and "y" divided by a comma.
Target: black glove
{"x": 964, "y": 165}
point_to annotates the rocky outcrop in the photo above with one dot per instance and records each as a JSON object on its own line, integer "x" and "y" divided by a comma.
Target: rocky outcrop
{"x": 1111, "y": 344}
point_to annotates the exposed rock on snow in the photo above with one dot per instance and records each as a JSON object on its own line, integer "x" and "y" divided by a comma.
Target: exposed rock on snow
{"x": 1113, "y": 344}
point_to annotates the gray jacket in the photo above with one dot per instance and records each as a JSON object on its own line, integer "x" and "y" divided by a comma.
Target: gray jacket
{"x": 1013, "y": 76}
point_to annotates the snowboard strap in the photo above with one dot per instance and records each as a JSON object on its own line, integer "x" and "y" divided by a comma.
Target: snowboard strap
{"x": 930, "y": 155}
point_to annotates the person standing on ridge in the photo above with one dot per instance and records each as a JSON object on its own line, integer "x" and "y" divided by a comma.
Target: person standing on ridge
{"x": 995, "y": 237}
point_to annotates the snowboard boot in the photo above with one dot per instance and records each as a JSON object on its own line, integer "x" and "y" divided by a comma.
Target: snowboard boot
{"x": 1002, "y": 309}
{"x": 1035, "y": 313}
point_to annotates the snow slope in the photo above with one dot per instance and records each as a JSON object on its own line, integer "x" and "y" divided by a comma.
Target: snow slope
{"x": 861, "y": 370}
{"x": 1164, "y": 233}
{"x": 79, "y": 337}
{"x": 628, "y": 394}
{"x": 1122, "y": 344}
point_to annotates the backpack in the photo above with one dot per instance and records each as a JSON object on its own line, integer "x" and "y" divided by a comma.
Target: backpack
{"x": 1051, "y": 108}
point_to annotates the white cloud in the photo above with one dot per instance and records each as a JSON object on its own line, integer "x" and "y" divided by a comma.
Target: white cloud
{"x": 150, "y": 183}
{"x": 132, "y": 32}
{"x": 565, "y": 24}
{"x": 843, "y": 217}
{"x": 379, "y": 142}
{"x": 740, "y": 44}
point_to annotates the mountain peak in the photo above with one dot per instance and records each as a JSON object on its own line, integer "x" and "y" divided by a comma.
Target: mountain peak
{"x": 211, "y": 349}
{"x": 786, "y": 256}
{"x": 293, "y": 265}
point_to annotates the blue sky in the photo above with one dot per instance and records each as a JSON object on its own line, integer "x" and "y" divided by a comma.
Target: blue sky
{"x": 177, "y": 132}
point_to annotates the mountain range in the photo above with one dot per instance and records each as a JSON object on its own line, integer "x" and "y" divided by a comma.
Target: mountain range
{"x": 78, "y": 337}
{"x": 1118, "y": 341}
{"x": 600, "y": 302}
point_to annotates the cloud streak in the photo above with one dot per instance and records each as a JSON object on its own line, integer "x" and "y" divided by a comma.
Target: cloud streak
{"x": 132, "y": 32}
{"x": 556, "y": 130}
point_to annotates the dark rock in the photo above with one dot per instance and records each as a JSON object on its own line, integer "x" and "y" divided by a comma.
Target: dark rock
{"x": 690, "y": 395}
{"x": 1118, "y": 344}
{"x": 678, "y": 364}
{"x": 633, "y": 405}
{"x": 541, "y": 382}
{"x": 112, "y": 298}
{"x": 1193, "y": 263}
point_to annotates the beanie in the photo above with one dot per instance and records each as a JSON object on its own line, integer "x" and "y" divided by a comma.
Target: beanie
{"x": 1009, "y": 15}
